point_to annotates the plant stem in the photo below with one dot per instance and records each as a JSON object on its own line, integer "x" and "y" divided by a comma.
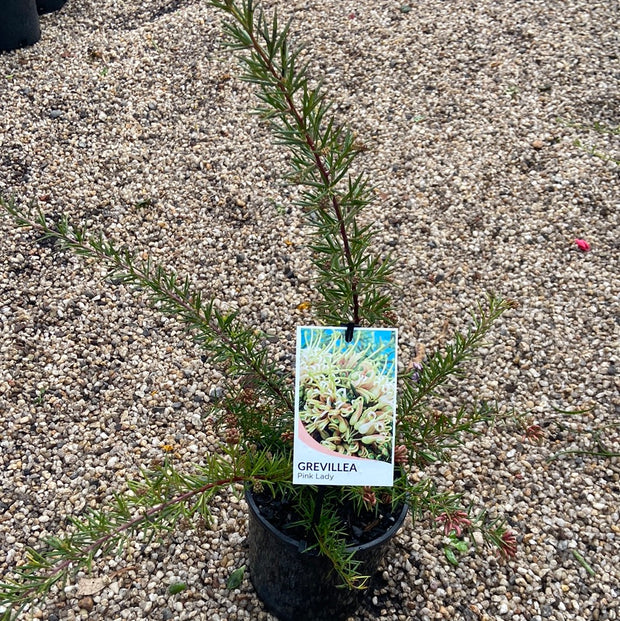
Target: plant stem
{"x": 318, "y": 506}
{"x": 73, "y": 239}
{"x": 318, "y": 159}
{"x": 101, "y": 541}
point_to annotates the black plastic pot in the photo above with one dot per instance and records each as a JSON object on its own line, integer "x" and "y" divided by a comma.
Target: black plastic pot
{"x": 19, "y": 24}
{"x": 301, "y": 586}
{"x": 49, "y": 6}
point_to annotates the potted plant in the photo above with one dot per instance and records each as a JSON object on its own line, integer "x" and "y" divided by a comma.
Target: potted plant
{"x": 338, "y": 531}
{"x": 19, "y": 24}
{"x": 49, "y": 6}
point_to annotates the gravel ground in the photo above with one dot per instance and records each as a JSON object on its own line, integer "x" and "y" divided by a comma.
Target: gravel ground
{"x": 487, "y": 127}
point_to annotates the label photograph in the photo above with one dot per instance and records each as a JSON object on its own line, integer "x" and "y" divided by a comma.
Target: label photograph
{"x": 345, "y": 400}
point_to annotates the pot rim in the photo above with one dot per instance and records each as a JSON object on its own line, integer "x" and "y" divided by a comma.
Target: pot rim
{"x": 299, "y": 544}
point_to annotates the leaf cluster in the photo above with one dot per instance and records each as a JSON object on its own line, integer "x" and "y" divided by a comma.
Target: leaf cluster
{"x": 154, "y": 504}
{"x": 429, "y": 432}
{"x": 352, "y": 283}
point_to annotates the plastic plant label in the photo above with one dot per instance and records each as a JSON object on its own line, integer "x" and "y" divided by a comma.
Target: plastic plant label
{"x": 345, "y": 407}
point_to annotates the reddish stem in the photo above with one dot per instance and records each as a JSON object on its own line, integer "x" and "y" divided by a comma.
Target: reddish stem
{"x": 320, "y": 164}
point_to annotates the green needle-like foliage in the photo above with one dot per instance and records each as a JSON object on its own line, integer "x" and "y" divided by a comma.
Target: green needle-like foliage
{"x": 154, "y": 504}
{"x": 429, "y": 433}
{"x": 237, "y": 349}
{"x": 351, "y": 282}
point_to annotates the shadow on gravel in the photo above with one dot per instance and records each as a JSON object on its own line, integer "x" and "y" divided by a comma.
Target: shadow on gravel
{"x": 150, "y": 12}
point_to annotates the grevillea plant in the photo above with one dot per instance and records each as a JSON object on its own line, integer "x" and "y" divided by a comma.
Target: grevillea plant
{"x": 257, "y": 406}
